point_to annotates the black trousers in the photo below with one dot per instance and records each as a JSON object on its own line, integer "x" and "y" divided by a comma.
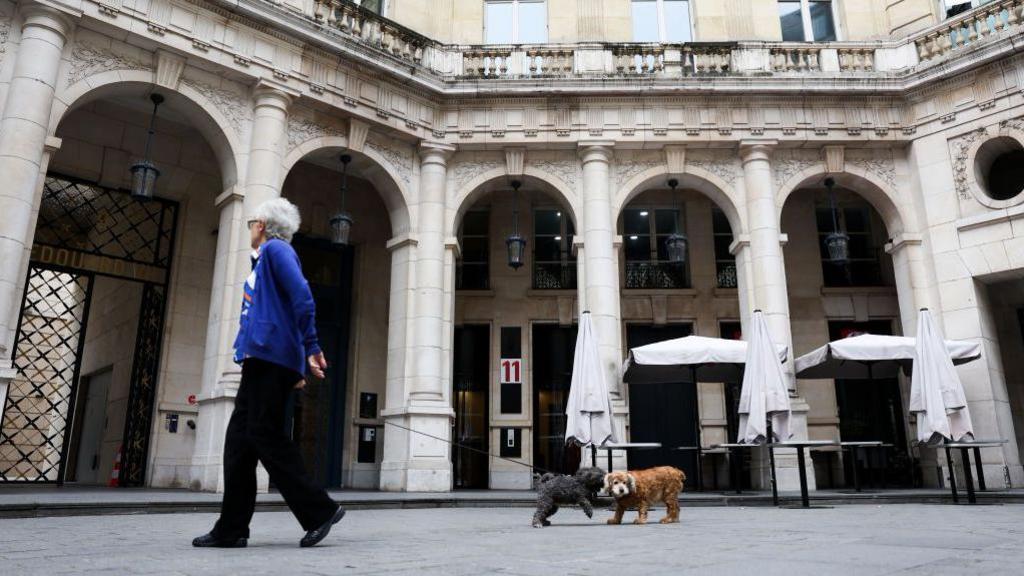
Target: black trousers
{"x": 256, "y": 432}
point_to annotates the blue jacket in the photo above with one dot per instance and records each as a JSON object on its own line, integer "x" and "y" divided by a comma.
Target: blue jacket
{"x": 280, "y": 326}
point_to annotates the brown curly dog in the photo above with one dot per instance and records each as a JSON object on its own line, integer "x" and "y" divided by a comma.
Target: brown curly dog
{"x": 641, "y": 488}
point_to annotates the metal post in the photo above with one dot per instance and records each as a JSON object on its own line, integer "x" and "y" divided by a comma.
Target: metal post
{"x": 700, "y": 464}
{"x": 853, "y": 466}
{"x": 593, "y": 455}
{"x": 968, "y": 476}
{"x": 804, "y": 499}
{"x": 952, "y": 476}
{"x": 771, "y": 464}
{"x": 981, "y": 471}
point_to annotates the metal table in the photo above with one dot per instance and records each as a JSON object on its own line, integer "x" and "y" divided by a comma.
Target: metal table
{"x": 855, "y": 447}
{"x": 965, "y": 450}
{"x": 800, "y": 445}
{"x": 735, "y": 470}
{"x": 627, "y": 446}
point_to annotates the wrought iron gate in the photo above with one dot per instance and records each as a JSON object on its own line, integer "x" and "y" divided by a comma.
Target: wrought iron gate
{"x": 84, "y": 230}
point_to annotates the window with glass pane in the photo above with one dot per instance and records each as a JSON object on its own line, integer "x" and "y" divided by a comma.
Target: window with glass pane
{"x": 865, "y": 267}
{"x": 532, "y": 22}
{"x": 661, "y": 21}
{"x": 677, "y": 21}
{"x": 376, "y": 6}
{"x": 792, "y": 20}
{"x": 644, "y": 234}
{"x": 725, "y": 261}
{"x": 645, "y": 21}
{"x": 473, "y": 267}
{"x": 498, "y": 22}
{"x": 554, "y": 266}
{"x": 515, "y": 22}
{"x": 821, "y": 20}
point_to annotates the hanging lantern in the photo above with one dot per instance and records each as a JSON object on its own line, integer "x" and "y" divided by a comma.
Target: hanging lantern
{"x": 515, "y": 243}
{"x": 677, "y": 242}
{"x": 144, "y": 173}
{"x": 341, "y": 223}
{"x": 838, "y": 242}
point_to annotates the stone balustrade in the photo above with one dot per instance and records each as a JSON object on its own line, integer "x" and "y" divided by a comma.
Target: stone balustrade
{"x": 968, "y": 28}
{"x": 639, "y": 58}
{"x": 1002, "y": 18}
{"x": 794, "y": 58}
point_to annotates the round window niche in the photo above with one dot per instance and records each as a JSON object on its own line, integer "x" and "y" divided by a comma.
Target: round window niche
{"x": 999, "y": 168}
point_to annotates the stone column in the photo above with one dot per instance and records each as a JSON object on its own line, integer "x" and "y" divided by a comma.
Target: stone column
{"x": 23, "y": 138}
{"x": 769, "y": 294}
{"x": 221, "y": 377}
{"x": 417, "y": 457}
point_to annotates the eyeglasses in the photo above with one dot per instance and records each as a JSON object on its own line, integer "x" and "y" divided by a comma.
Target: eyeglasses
{"x": 251, "y": 222}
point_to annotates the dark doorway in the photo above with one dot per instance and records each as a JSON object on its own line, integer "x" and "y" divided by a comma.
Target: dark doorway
{"x": 471, "y": 385}
{"x": 665, "y": 413}
{"x": 872, "y": 410}
{"x": 733, "y": 331}
{"x": 318, "y": 414}
{"x": 553, "y": 349}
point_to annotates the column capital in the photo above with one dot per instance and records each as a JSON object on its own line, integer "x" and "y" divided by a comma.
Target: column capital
{"x": 228, "y": 196}
{"x": 756, "y": 149}
{"x": 274, "y": 95}
{"x": 401, "y": 241}
{"x": 44, "y": 15}
{"x": 435, "y": 152}
{"x": 596, "y": 150}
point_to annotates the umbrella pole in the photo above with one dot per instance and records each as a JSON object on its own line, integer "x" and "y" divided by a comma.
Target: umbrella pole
{"x": 771, "y": 463}
{"x": 696, "y": 426}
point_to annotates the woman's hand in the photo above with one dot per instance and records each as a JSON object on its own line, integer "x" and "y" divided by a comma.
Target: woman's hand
{"x": 300, "y": 384}
{"x": 317, "y": 364}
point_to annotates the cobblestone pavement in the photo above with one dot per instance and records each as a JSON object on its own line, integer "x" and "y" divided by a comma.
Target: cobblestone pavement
{"x": 853, "y": 539}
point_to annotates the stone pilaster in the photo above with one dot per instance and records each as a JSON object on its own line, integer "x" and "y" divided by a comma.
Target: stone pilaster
{"x": 417, "y": 457}
{"x": 768, "y": 292}
{"x": 24, "y": 155}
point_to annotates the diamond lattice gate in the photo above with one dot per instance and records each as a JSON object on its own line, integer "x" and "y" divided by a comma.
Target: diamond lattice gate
{"x": 84, "y": 230}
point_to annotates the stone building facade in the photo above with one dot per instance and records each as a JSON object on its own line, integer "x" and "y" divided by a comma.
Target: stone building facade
{"x": 116, "y": 317}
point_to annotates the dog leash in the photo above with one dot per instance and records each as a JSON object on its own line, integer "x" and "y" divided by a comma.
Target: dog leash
{"x": 470, "y": 448}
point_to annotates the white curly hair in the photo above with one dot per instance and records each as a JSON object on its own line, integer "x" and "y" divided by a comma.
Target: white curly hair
{"x": 280, "y": 217}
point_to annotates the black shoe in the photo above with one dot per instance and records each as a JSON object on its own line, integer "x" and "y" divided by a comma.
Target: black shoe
{"x": 314, "y": 536}
{"x": 211, "y": 541}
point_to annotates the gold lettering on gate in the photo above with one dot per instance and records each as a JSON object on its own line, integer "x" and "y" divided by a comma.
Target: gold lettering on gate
{"x": 99, "y": 264}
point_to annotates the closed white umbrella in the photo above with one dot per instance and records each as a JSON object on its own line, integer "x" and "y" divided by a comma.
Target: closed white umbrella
{"x": 936, "y": 394}
{"x": 764, "y": 393}
{"x": 589, "y": 409}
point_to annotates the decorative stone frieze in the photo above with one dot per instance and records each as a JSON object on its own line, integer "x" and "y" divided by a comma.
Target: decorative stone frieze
{"x": 466, "y": 169}
{"x": 787, "y": 163}
{"x": 233, "y": 105}
{"x": 878, "y": 162}
{"x": 721, "y": 163}
{"x": 959, "y": 148}
{"x": 302, "y": 128}
{"x": 86, "y": 60}
{"x": 396, "y": 154}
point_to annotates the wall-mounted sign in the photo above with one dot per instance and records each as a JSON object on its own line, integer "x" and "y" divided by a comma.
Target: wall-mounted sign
{"x": 511, "y": 371}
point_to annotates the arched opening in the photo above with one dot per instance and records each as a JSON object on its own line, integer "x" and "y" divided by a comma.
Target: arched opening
{"x": 832, "y": 298}
{"x": 336, "y": 422}
{"x": 113, "y": 324}
{"x": 663, "y": 298}
{"x": 514, "y": 332}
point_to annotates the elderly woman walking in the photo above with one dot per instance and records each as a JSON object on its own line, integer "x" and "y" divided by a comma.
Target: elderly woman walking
{"x": 276, "y": 343}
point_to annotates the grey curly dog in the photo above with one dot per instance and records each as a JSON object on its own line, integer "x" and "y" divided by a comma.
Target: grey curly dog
{"x": 554, "y": 489}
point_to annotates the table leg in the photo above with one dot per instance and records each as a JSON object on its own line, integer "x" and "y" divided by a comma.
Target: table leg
{"x": 734, "y": 469}
{"x": 952, "y": 476}
{"x": 774, "y": 479}
{"x": 700, "y": 471}
{"x": 804, "y": 499}
{"x": 853, "y": 467}
{"x": 609, "y": 460}
{"x": 977, "y": 466}
{"x": 965, "y": 457}
{"x": 593, "y": 456}
{"x": 714, "y": 473}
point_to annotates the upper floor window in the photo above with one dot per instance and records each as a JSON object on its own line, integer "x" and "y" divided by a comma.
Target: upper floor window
{"x": 473, "y": 269}
{"x": 515, "y": 22}
{"x": 644, "y": 234}
{"x": 725, "y": 261}
{"x": 661, "y": 21}
{"x": 951, "y": 8}
{"x": 807, "y": 20}
{"x": 554, "y": 265}
{"x": 375, "y": 6}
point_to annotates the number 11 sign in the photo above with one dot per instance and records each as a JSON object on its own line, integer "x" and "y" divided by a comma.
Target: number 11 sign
{"x": 511, "y": 371}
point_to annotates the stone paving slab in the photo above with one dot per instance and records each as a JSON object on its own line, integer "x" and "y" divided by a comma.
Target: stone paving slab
{"x": 859, "y": 540}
